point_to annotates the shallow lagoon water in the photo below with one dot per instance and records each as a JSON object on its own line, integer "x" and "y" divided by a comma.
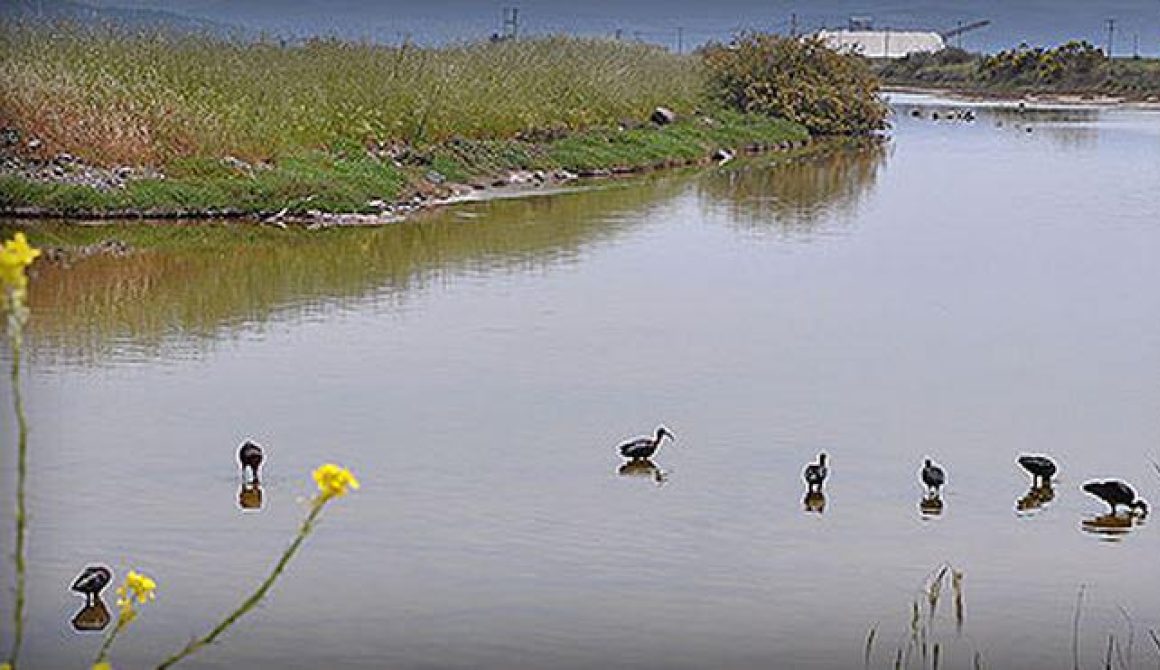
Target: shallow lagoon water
{"x": 970, "y": 292}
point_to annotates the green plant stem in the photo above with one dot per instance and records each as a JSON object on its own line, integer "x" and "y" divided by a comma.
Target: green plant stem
{"x": 103, "y": 652}
{"x": 257, "y": 595}
{"x": 21, "y": 512}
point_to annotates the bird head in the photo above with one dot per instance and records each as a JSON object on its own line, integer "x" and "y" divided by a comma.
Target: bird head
{"x": 664, "y": 432}
{"x": 822, "y": 458}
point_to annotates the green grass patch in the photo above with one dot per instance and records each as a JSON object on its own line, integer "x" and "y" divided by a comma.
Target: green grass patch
{"x": 345, "y": 179}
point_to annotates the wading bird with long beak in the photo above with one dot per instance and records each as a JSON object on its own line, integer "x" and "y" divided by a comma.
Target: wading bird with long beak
{"x": 933, "y": 476}
{"x": 92, "y": 580}
{"x": 1041, "y": 468}
{"x": 1115, "y": 493}
{"x": 815, "y": 473}
{"x": 250, "y": 456}
{"x": 645, "y": 447}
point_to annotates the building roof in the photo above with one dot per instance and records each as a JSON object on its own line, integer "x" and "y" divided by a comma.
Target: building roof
{"x": 882, "y": 43}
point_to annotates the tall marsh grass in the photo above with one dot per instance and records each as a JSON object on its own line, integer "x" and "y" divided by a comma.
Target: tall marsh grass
{"x": 148, "y": 98}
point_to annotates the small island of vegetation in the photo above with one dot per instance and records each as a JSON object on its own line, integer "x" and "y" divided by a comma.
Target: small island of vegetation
{"x": 100, "y": 122}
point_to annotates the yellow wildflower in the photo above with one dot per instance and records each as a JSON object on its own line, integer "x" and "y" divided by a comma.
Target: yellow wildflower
{"x": 103, "y": 665}
{"x": 141, "y": 586}
{"x": 333, "y": 480}
{"x": 15, "y": 256}
{"x": 8, "y": 666}
{"x": 137, "y": 590}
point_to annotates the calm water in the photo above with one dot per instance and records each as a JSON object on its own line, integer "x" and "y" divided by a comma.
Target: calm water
{"x": 971, "y": 292}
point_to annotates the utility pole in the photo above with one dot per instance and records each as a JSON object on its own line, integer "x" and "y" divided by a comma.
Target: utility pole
{"x": 1111, "y": 36}
{"x": 793, "y": 25}
{"x": 1136, "y": 46}
{"x": 680, "y": 40}
{"x": 886, "y": 43}
{"x": 960, "y": 35}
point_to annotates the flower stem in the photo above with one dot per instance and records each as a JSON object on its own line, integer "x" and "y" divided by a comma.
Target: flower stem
{"x": 21, "y": 512}
{"x": 256, "y": 597}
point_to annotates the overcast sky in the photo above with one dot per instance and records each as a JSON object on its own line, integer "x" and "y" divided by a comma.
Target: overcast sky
{"x": 1036, "y": 21}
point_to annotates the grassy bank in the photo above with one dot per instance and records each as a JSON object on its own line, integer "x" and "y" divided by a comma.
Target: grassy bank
{"x": 339, "y": 180}
{"x": 1075, "y": 68}
{"x": 195, "y": 124}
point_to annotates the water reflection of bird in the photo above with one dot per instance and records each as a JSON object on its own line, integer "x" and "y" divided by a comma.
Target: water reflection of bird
{"x": 94, "y": 616}
{"x": 250, "y": 456}
{"x": 1112, "y": 526}
{"x": 645, "y": 447}
{"x": 250, "y": 496}
{"x": 1036, "y": 497}
{"x": 933, "y": 476}
{"x": 815, "y": 501}
{"x": 815, "y": 473}
{"x": 643, "y": 467}
{"x": 1042, "y": 469}
{"x": 92, "y": 580}
{"x": 1115, "y": 493}
{"x": 931, "y": 505}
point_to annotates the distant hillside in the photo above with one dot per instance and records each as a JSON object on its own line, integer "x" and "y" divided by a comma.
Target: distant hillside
{"x": 1037, "y": 22}
{"x": 124, "y": 17}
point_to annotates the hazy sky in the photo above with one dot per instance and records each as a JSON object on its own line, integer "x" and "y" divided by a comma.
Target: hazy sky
{"x": 1035, "y": 21}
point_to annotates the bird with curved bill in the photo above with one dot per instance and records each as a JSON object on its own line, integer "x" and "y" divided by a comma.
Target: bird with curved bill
{"x": 815, "y": 474}
{"x": 645, "y": 447}
{"x": 250, "y": 455}
{"x": 92, "y": 580}
{"x": 1041, "y": 468}
{"x": 1116, "y": 494}
{"x": 933, "y": 477}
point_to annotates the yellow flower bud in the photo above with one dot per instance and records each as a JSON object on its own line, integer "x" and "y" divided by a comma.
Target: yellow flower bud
{"x": 333, "y": 480}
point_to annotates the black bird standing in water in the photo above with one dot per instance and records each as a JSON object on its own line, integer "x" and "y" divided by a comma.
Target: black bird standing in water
{"x": 933, "y": 476}
{"x": 1042, "y": 469}
{"x": 644, "y": 447}
{"x": 816, "y": 473}
{"x": 91, "y": 582}
{"x": 250, "y": 455}
{"x": 1115, "y": 493}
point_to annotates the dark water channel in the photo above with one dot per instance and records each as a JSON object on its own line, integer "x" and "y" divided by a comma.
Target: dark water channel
{"x": 970, "y": 292}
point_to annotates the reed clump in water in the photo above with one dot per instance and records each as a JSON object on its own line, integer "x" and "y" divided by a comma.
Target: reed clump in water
{"x": 924, "y": 645}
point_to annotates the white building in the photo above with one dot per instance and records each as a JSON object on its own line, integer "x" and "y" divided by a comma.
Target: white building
{"x": 882, "y": 43}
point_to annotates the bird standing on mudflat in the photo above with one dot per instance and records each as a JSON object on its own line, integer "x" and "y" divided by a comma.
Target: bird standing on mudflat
{"x": 815, "y": 473}
{"x": 644, "y": 447}
{"x": 92, "y": 580}
{"x": 1042, "y": 469}
{"x": 250, "y": 456}
{"x": 1115, "y": 493}
{"x": 933, "y": 476}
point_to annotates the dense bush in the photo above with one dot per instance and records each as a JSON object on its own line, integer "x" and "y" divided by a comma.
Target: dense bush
{"x": 798, "y": 79}
{"x": 1074, "y": 63}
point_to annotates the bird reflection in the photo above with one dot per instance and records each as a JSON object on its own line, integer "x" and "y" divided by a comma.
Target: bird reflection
{"x": 1035, "y": 498}
{"x": 1111, "y": 527}
{"x": 815, "y": 501}
{"x": 250, "y": 496}
{"x": 643, "y": 467}
{"x": 931, "y": 505}
{"x": 94, "y": 616}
